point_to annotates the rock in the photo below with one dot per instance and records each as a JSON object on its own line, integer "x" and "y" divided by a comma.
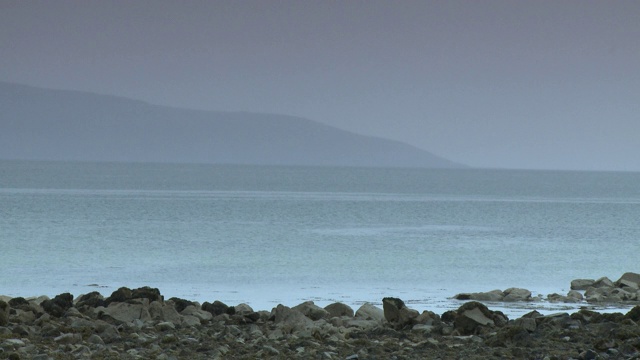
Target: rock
{"x": 95, "y": 339}
{"x": 180, "y": 304}
{"x": 369, "y": 312}
{"x": 164, "y": 312}
{"x": 493, "y": 295}
{"x": 12, "y": 344}
{"x": 397, "y": 314}
{"x": 4, "y": 313}
{"x": 165, "y": 326}
{"x": 511, "y": 336}
{"x": 603, "y": 282}
{"x": 628, "y": 279}
{"x": 19, "y": 303}
{"x": 21, "y": 330}
{"x": 110, "y": 334}
{"x": 339, "y": 309}
{"x": 582, "y": 284}
{"x": 190, "y": 320}
{"x": 153, "y": 294}
{"x": 423, "y": 329}
{"x": 243, "y": 309}
{"x": 127, "y": 312}
{"x": 517, "y": 294}
{"x": 472, "y": 318}
{"x": 575, "y": 295}
{"x": 218, "y": 308}
{"x": 68, "y": 339}
{"x": 121, "y": 295}
{"x": 92, "y": 299}
{"x": 555, "y": 297}
{"x": 312, "y": 311}
{"x": 270, "y": 350}
{"x": 201, "y": 315}
{"x": 58, "y": 305}
{"x": 290, "y": 320}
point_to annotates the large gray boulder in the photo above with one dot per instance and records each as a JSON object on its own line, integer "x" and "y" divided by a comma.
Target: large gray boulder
{"x": 397, "y": 313}
{"x": 126, "y": 312}
{"x": 339, "y": 309}
{"x": 603, "y": 282}
{"x": 582, "y": 284}
{"x": 629, "y": 280}
{"x": 202, "y": 316}
{"x": 517, "y": 294}
{"x": 369, "y": 312}
{"x": 475, "y": 318}
{"x": 164, "y": 312}
{"x": 312, "y": 311}
{"x": 290, "y": 320}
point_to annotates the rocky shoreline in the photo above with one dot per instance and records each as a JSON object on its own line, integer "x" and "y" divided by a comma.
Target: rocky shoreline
{"x": 141, "y": 324}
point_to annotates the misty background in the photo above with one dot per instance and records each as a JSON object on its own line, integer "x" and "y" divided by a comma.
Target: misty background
{"x": 501, "y": 84}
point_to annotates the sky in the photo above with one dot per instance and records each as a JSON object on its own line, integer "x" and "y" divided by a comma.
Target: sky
{"x": 498, "y": 84}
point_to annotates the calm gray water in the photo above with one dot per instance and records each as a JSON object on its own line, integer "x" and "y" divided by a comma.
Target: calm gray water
{"x": 268, "y": 235}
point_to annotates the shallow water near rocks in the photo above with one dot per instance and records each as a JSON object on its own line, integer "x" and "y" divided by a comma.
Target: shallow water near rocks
{"x": 269, "y": 235}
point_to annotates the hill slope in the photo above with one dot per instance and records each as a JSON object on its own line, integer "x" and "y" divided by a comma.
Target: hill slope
{"x": 43, "y": 124}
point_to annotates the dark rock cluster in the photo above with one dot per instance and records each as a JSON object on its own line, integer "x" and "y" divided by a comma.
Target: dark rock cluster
{"x": 141, "y": 324}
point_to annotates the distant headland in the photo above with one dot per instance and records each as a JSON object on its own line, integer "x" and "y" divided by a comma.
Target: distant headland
{"x": 45, "y": 124}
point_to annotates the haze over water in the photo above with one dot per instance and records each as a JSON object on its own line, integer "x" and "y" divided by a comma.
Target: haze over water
{"x": 268, "y": 235}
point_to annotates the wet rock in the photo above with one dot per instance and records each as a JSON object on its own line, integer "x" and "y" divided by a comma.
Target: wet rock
{"x": 58, "y": 305}
{"x": 339, "y": 309}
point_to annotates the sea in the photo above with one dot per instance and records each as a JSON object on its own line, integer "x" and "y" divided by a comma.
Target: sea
{"x": 268, "y": 235}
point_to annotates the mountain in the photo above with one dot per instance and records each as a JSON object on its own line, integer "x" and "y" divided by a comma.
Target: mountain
{"x": 45, "y": 124}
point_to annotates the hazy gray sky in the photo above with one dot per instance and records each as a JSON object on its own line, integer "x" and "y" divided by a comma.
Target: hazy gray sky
{"x": 513, "y": 84}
